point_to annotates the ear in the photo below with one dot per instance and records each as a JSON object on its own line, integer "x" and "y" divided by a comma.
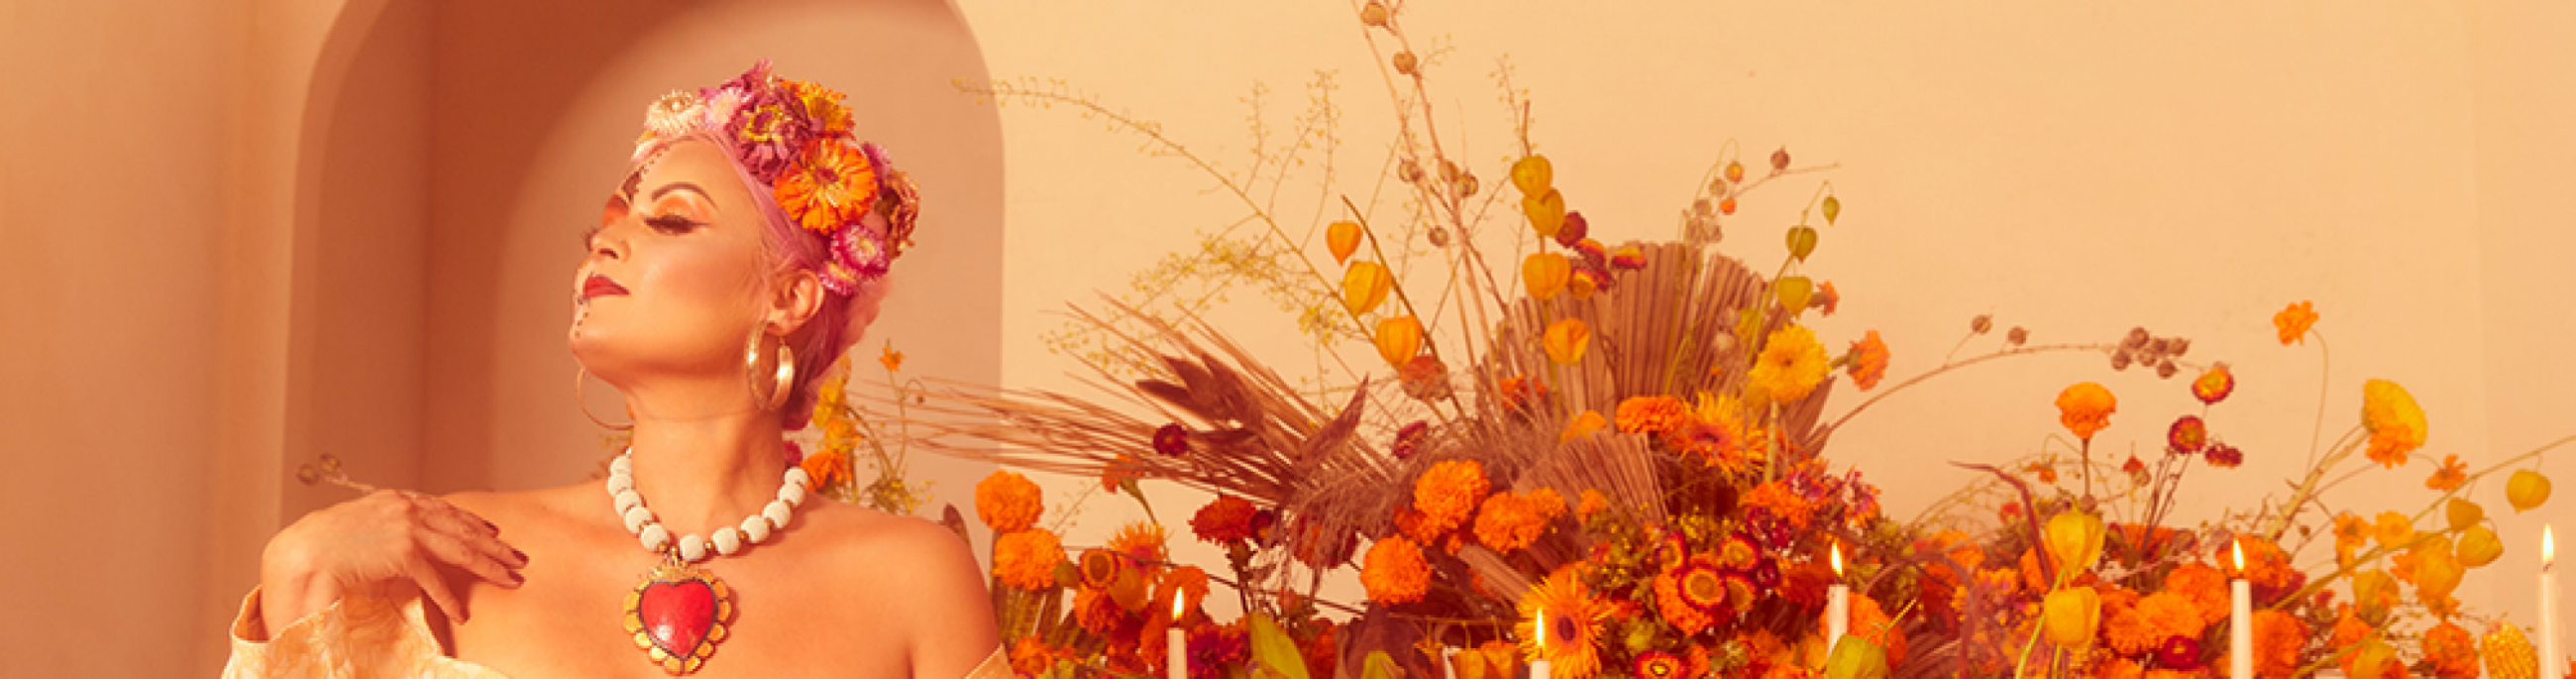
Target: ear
{"x": 798, "y": 296}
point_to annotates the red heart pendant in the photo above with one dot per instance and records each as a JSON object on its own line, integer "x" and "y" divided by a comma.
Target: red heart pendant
{"x": 677, "y": 615}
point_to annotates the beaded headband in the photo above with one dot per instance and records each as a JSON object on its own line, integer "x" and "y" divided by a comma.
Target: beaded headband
{"x": 793, "y": 138}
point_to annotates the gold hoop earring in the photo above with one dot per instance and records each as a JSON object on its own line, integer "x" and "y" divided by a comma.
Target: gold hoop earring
{"x": 580, "y": 378}
{"x": 781, "y": 381}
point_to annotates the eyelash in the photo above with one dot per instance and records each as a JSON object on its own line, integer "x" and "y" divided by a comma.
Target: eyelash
{"x": 673, "y": 223}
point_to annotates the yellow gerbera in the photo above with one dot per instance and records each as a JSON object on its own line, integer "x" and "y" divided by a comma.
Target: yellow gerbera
{"x": 1791, "y": 364}
{"x": 2395, "y": 423}
{"x": 1561, "y": 622}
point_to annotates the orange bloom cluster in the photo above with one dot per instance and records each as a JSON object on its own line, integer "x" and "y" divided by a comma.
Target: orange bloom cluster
{"x": 1027, "y": 559}
{"x": 1512, "y": 521}
{"x": 828, "y": 469}
{"x": 1008, "y": 502}
{"x": 2453, "y": 652}
{"x": 2450, "y": 475}
{"x": 1782, "y": 502}
{"x": 1868, "y": 361}
{"x": 1033, "y": 657}
{"x": 2086, "y": 408}
{"x": 2142, "y": 628}
{"x": 1592, "y": 502}
{"x": 1142, "y": 543}
{"x": 1677, "y": 609}
{"x": 1227, "y": 519}
{"x": 2204, "y": 586}
{"x": 2278, "y": 638}
{"x": 1395, "y": 572}
{"x": 1653, "y": 415}
{"x": 2293, "y": 322}
{"x": 1447, "y": 492}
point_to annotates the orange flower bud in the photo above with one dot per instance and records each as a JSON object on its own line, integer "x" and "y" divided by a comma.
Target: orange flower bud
{"x": 1344, "y": 238}
{"x": 1545, "y": 274}
{"x": 1566, "y": 340}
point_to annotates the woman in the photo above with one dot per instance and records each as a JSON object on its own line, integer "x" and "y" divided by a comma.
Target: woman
{"x": 749, "y": 243}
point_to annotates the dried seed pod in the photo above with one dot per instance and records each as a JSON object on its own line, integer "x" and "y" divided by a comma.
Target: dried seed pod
{"x": 2017, "y": 336}
{"x": 1982, "y": 324}
{"x": 2120, "y": 360}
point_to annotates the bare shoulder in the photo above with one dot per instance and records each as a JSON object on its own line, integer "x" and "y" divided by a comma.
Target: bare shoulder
{"x": 917, "y": 566}
{"x": 895, "y": 545}
{"x": 526, "y": 508}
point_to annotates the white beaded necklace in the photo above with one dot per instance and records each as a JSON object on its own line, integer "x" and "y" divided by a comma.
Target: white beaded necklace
{"x": 693, "y": 548}
{"x": 678, "y": 612}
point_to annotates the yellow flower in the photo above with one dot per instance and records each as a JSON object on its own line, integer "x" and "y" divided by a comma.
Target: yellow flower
{"x": 2393, "y": 529}
{"x": 1868, "y": 356}
{"x": 2351, "y": 532}
{"x": 1592, "y": 502}
{"x": 2396, "y": 424}
{"x": 1791, "y": 364}
{"x": 1582, "y": 425}
{"x": 1008, "y": 502}
{"x": 2086, "y": 408}
{"x": 1394, "y": 571}
{"x": 891, "y": 359}
{"x": 2294, "y": 321}
{"x": 2450, "y": 475}
{"x": 1566, "y": 340}
{"x": 1027, "y": 559}
{"x": 1561, "y": 622}
{"x": 2072, "y": 615}
{"x": 2074, "y": 538}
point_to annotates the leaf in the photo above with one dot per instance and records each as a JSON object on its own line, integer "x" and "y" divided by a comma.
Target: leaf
{"x": 1380, "y": 667}
{"x": 1275, "y": 651}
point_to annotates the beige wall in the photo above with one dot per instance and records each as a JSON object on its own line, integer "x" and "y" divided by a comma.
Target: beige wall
{"x": 243, "y": 232}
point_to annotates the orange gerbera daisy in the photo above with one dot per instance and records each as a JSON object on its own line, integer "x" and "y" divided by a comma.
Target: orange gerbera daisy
{"x": 833, "y": 186}
{"x": 2086, "y": 408}
{"x": 1868, "y": 361}
{"x": 1561, "y": 622}
{"x": 1394, "y": 571}
{"x": 2294, "y": 322}
{"x": 1008, "y": 502}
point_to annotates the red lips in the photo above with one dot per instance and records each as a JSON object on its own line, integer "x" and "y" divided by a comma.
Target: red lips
{"x": 599, "y": 286}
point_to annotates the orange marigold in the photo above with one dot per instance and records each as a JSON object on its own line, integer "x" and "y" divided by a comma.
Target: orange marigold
{"x": 1224, "y": 520}
{"x": 1592, "y": 502}
{"x": 2453, "y": 652}
{"x": 1510, "y": 521}
{"x": 1188, "y": 583}
{"x": 2294, "y": 321}
{"x": 1033, "y": 656}
{"x": 1027, "y": 559}
{"x": 1868, "y": 361}
{"x": 1394, "y": 572}
{"x": 2204, "y": 586}
{"x": 1782, "y": 502}
{"x": 2278, "y": 639}
{"x": 828, "y": 468}
{"x": 1008, "y": 502}
{"x": 2086, "y": 408}
{"x": 1655, "y": 415}
{"x": 2142, "y": 628}
{"x": 1448, "y": 491}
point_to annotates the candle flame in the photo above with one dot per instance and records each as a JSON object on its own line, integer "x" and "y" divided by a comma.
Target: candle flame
{"x": 2547, "y": 554}
{"x": 1180, "y": 604}
{"x": 2239, "y": 549}
{"x": 1838, "y": 559}
{"x": 1541, "y": 625}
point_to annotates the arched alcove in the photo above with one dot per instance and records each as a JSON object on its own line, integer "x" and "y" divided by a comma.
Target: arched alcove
{"x": 453, "y": 151}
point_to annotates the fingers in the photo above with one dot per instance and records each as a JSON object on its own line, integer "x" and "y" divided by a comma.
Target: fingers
{"x": 460, "y": 553}
{"x": 436, "y": 589}
{"x": 474, "y": 531}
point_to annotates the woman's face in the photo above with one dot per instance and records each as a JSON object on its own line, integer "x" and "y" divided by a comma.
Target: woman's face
{"x": 675, "y": 278}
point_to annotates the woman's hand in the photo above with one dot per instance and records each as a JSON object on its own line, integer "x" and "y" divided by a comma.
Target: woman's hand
{"x": 385, "y": 539}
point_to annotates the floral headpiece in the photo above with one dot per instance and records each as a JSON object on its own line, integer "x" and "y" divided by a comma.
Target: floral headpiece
{"x": 793, "y": 138}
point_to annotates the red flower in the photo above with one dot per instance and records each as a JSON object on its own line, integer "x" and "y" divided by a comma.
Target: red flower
{"x": 1409, "y": 439}
{"x": 1227, "y": 519}
{"x": 2225, "y": 456}
{"x": 1171, "y": 440}
{"x": 2187, "y": 435}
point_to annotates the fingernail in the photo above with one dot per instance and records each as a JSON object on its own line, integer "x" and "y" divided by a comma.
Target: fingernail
{"x": 516, "y": 579}
{"x": 523, "y": 556}
{"x": 494, "y": 527}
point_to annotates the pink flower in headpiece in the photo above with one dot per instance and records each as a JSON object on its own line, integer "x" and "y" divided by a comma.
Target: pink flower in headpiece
{"x": 720, "y": 107}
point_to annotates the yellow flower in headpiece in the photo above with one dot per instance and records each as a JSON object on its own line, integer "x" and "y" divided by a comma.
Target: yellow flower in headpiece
{"x": 832, "y": 185}
{"x": 822, "y": 106}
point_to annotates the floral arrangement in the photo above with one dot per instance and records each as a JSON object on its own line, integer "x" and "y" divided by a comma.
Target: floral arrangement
{"x": 1612, "y": 458}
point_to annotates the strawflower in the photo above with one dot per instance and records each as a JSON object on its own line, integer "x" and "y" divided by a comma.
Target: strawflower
{"x": 2214, "y": 385}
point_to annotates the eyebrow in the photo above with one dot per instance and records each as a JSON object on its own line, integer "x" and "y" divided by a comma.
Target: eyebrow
{"x": 666, "y": 189}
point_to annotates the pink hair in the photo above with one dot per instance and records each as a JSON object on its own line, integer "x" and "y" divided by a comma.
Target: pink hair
{"x": 838, "y": 323}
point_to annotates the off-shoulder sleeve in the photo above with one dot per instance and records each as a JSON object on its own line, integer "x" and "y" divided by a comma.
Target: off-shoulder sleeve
{"x": 995, "y": 666}
{"x": 357, "y": 636}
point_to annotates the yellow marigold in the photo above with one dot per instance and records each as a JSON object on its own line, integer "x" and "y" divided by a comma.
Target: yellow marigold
{"x": 1655, "y": 415}
{"x": 1027, "y": 559}
{"x": 2294, "y": 321}
{"x": 2204, "y": 586}
{"x": 1791, "y": 364}
{"x": 1592, "y": 502}
{"x": 1868, "y": 361}
{"x": 1008, "y": 502}
{"x": 2086, "y": 408}
{"x": 2393, "y": 529}
{"x": 2396, "y": 424}
{"x": 1510, "y": 521}
{"x": 1394, "y": 571}
{"x": 2160, "y": 616}
{"x": 1448, "y": 491}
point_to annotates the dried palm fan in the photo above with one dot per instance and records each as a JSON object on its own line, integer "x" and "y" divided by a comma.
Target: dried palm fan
{"x": 1242, "y": 430}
